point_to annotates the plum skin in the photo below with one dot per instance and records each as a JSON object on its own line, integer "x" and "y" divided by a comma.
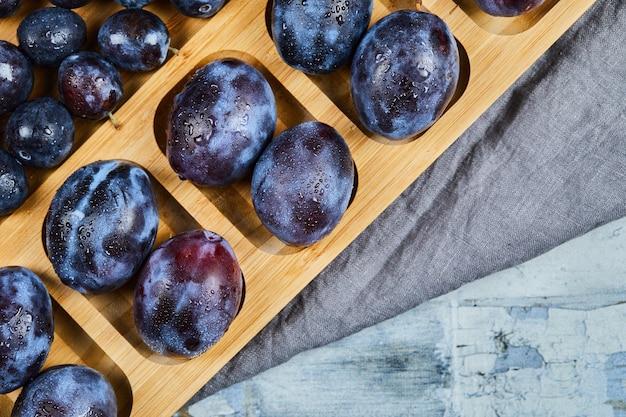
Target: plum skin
{"x": 14, "y": 187}
{"x": 202, "y": 9}
{"x": 220, "y": 123}
{"x": 187, "y": 294}
{"x": 40, "y": 133}
{"x": 508, "y": 8}
{"x": 26, "y": 326}
{"x": 303, "y": 183}
{"x": 101, "y": 225}
{"x": 89, "y": 85}
{"x": 134, "y": 39}
{"x": 17, "y": 77}
{"x": 50, "y": 34}
{"x": 67, "y": 390}
{"x": 404, "y": 74}
{"x": 318, "y": 36}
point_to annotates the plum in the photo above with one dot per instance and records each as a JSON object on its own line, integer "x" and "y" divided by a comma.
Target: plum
{"x": 134, "y": 39}
{"x": 220, "y": 123}
{"x": 133, "y": 4}
{"x": 101, "y": 225}
{"x": 303, "y": 182}
{"x": 198, "y": 8}
{"x": 50, "y": 34}
{"x": 318, "y": 36}
{"x": 70, "y": 4}
{"x": 67, "y": 390}
{"x": 9, "y": 7}
{"x": 26, "y": 326}
{"x": 404, "y": 74}
{"x": 508, "y": 8}
{"x": 89, "y": 85}
{"x": 14, "y": 186}
{"x": 187, "y": 294}
{"x": 17, "y": 77}
{"x": 40, "y": 133}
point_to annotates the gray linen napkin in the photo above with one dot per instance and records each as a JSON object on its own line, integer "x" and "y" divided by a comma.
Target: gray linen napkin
{"x": 546, "y": 163}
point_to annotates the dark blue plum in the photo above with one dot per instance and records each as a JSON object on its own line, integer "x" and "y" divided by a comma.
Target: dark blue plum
{"x": 508, "y": 8}
{"x": 13, "y": 184}
{"x": 303, "y": 182}
{"x": 50, "y": 34}
{"x": 16, "y": 77}
{"x": 67, "y": 391}
{"x": 187, "y": 294}
{"x": 220, "y": 123}
{"x": 89, "y": 85}
{"x": 133, "y": 4}
{"x": 40, "y": 133}
{"x": 26, "y": 326}
{"x": 9, "y": 7}
{"x": 318, "y": 36}
{"x": 198, "y": 8}
{"x": 134, "y": 40}
{"x": 404, "y": 74}
{"x": 101, "y": 225}
{"x": 70, "y": 4}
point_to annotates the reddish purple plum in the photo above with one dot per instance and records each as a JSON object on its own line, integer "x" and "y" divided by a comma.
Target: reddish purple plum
{"x": 89, "y": 85}
{"x": 187, "y": 294}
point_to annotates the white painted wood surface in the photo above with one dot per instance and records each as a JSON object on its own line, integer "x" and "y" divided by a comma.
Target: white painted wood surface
{"x": 545, "y": 338}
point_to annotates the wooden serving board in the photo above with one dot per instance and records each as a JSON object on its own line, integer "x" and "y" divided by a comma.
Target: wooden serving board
{"x": 98, "y": 331}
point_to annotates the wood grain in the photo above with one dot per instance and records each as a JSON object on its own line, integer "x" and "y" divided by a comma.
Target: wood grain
{"x": 99, "y": 331}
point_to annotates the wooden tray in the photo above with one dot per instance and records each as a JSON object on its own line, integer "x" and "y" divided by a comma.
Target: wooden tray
{"x": 98, "y": 331}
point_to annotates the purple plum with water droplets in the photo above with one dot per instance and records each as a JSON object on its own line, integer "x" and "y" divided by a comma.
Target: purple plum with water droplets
{"x": 187, "y": 294}
{"x": 318, "y": 36}
{"x": 101, "y": 225}
{"x": 404, "y": 74}
{"x": 26, "y": 326}
{"x": 220, "y": 123}
{"x": 303, "y": 182}
{"x": 68, "y": 390}
{"x": 508, "y": 8}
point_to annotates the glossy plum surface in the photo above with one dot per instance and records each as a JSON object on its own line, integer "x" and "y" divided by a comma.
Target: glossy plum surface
{"x": 26, "y": 326}
{"x": 199, "y": 8}
{"x": 404, "y": 73}
{"x": 134, "y": 39}
{"x": 101, "y": 225}
{"x": 40, "y": 133}
{"x": 16, "y": 77}
{"x": 70, "y": 4}
{"x": 89, "y": 85}
{"x": 133, "y": 4}
{"x": 67, "y": 391}
{"x": 9, "y": 7}
{"x": 508, "y": 8}
{"x": 14, "y": 186}
{"x": 318, "y": 36}
{"x": 303, "y": 182}
{"x": 187, "y": 294}
{"x": 220, "y": 123}
{"x": 50, "y": 34}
